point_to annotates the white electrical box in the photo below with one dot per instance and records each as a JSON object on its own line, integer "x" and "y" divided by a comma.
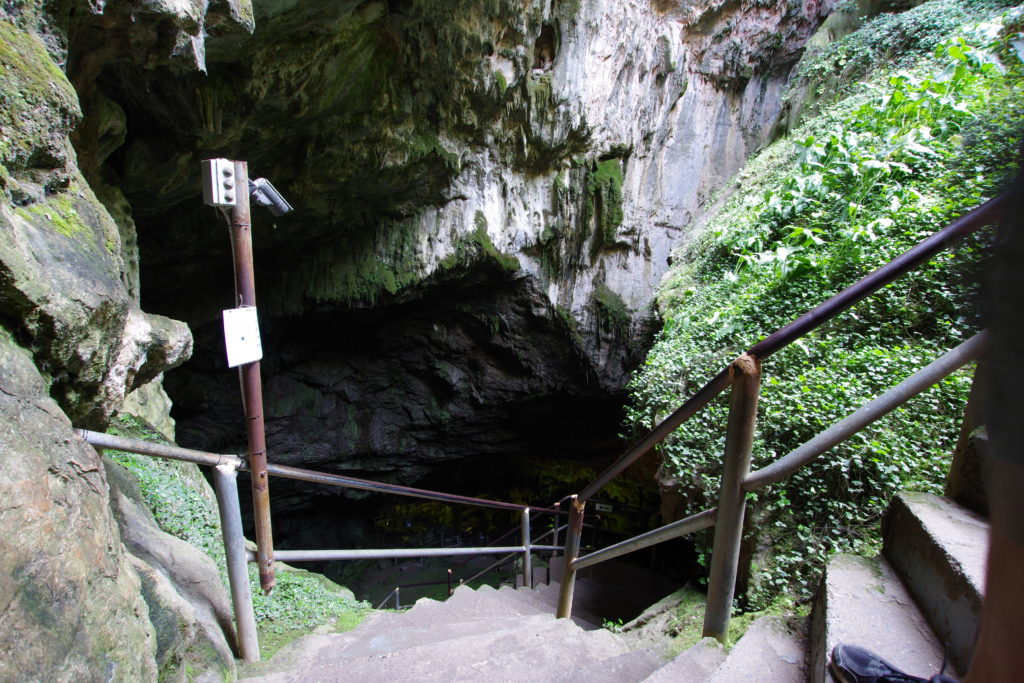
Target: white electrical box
{"x": 242, "y": 336}
{"x": 219, "y": 183}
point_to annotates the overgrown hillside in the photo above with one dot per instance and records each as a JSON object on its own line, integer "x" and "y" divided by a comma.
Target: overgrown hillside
{"x": 925, "y": 121}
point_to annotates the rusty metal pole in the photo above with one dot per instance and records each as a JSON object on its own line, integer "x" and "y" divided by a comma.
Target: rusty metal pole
{"x": 746, "y": 385}
{"x": 524, "y": 517}
{"x": 249, "y": 377}
{"x": 572, "y": 549}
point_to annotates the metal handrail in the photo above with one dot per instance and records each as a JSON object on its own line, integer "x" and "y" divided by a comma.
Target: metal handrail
{"x": 783, "y": 467}
{"x": 701, "y": 520}
{"x": 924, "y": 378}
{"x": 366, "y": 485}
{"x": 511, "y": 556}
{"x": 160, "y": 450}
{"x": 101, "y": 440}
{"x": 226, "y": 468}
{"x": 986, "y": 214}
{"x": 744, "y": 376}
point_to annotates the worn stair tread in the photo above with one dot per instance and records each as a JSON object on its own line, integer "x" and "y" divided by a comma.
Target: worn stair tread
{"x": 491, "y": 654}
{"x": 402, "y": 636}
{"x": 862, "y": 602}
{"x": 528, "y": 598}
{"x": 466, "y": 603}
{"x": 939, "y": 548}
{"x": 773, "y": 650}
{"x": 696, "y": 663}
{"x": 582, "y": 617}
{"x": 546, "y": 660}
{"x": 450, "y": 650}
{"x": 628, "y": 666}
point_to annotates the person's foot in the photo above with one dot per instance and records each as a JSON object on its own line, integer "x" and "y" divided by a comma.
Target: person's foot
{"x": 852, "y": 664}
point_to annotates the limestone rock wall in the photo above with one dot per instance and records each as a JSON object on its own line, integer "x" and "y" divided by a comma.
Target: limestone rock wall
{"x": 563, "y": 146}
{"x": 75, "y": 604}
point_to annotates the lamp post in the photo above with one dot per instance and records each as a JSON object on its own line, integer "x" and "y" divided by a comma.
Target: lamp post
{"x": 225, "y": 185}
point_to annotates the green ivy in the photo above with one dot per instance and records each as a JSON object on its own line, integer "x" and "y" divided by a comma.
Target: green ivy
{"x": 904, "y": 156}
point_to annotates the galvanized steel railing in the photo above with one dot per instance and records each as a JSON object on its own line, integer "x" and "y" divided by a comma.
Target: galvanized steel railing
{"x": 225, "y": 470}
{"x": 744, "y": 376}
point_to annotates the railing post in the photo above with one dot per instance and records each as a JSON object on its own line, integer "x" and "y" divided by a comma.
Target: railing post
{"x": 450, "y": 589}
{"x": 225, "y": 479}
{"x": 524, "y": 523}
{"x": 398, "y": 599}
{"x": 572, "y": 549}
{"x": 746, "y": 385}
{"x": 554, "y": 541}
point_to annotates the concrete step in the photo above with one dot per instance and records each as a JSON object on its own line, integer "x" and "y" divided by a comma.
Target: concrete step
{"x": 582, "y": 593}
{"x": 773, "y": 650}
{"x": 544, "y": 659}
{"x": 450, "y": 654}
{"x": 697, "y": 663}
{"x": 939, "y": 549}
{"x": 862, "y": 602}
{"x": 544, "y": 600}
{"x": 530, "y": 599}
{"x": 623, "y": 668}
{"x": 392, "y": 637}
{"x": 466, "y": 603}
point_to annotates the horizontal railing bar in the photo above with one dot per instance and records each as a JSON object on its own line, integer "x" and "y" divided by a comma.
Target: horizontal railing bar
{"x": 380, "y": 553}
{"x": 505, "y": 535}
{"x": 121, "y": 443}
{"x": 159, "y": 450}
{"x": 421, "y": 584}
{"x": 701, "y": 520}
{"x": 924, "y": 378}
{"x": 703, "y": 396}
{"x": 505, "y": 559}
{"x": 300, "y": 474}
{"x": 986, "y": 214}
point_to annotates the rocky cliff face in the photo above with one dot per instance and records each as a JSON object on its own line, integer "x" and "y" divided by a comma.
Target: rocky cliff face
{"x": 73, "y": 343}
{"x": 486, "y": 192}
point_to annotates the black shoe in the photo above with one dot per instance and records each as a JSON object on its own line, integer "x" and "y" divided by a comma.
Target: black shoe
{"x": 852, "y": 664}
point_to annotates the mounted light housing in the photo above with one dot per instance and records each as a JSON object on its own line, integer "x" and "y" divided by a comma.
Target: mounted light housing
{"x": 265, "y": 194}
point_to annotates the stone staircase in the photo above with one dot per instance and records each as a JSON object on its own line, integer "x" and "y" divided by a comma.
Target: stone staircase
{"x": 916, "y": 604}
{"x": 928, "y": 581}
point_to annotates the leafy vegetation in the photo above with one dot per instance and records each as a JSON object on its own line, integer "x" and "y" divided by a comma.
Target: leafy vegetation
{"x": 903, "y": 155}
{"x": 184, "y": 506}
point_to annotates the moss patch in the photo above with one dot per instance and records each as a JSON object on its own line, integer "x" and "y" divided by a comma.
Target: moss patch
{"x": 38, "y": 106}
{"x": 603, "y": 203}
{"x": 477, "y": 247}
{"x": 612, "y": 312}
